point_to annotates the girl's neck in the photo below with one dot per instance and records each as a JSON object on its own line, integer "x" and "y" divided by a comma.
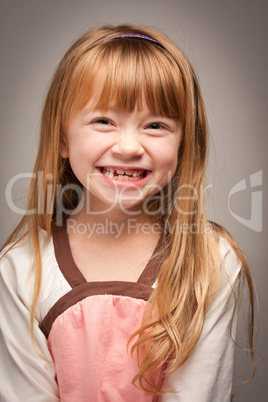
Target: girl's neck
{"x": 115, "y": 223}
{"x": 127, "y": 221}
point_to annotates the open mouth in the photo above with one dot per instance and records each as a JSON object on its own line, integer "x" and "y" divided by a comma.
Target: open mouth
{"x": 124, "y": 175}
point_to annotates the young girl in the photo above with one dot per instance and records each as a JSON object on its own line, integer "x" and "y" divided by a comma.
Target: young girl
{"x": 115, "y": 286}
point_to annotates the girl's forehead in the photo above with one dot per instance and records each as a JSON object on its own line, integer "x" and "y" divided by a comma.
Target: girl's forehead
{"x": 106, "y": 94}
{"x": 96, "y": 103}
{"x": 140, "y": 108}
{"x": 126, "y": 79}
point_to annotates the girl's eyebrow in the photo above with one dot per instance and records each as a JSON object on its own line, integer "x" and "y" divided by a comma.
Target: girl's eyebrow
{"x": 147, "y": 114}
{"x": 89, "y": 109}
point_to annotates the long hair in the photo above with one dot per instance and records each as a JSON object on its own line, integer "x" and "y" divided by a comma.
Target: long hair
{"x": 124, "y": 72}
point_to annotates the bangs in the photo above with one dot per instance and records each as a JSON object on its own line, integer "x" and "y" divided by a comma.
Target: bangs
{"x": 124, "y": 73}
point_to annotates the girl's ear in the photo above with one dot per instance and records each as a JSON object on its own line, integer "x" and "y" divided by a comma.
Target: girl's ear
{"x": 64, "y": 152}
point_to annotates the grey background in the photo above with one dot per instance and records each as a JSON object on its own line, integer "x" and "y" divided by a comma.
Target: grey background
{"x": 226, "y": 42}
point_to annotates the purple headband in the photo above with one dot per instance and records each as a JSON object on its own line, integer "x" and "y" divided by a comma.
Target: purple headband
{"x": 123, "y": 35}
{"x": 129, "y": 35}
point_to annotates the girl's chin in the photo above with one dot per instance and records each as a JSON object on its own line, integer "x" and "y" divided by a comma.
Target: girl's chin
{"x": 127, "y": 205}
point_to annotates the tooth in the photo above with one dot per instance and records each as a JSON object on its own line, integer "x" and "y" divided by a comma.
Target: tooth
{"x": 136, "y": 174}
{"x": 109, "y": 170}
{"x": 108, "y": 174}
{"x": 119, "y": 171}
{"x": 126, "y": 176}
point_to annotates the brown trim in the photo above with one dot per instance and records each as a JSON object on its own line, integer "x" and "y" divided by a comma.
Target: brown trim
{"x": 65, "y": 259}
{"x": 74, "y": 276}
{"x": 151, "y": 271}
{"x": 82, "y": 289}
{"x": 129, "y": 289}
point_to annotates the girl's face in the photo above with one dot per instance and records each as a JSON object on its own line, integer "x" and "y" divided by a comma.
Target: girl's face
{"x": 121, "y": 159}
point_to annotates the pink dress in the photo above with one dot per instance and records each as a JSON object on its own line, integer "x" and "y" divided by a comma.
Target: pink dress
{"x": 88, "y": 331}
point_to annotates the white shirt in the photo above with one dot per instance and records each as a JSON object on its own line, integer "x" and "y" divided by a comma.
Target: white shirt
{"x": 25, "y": 375}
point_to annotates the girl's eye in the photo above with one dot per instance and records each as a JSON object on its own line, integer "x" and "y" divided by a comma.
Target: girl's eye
{"x": 155, "y": 126}
{"x": 102, "y": 121}
{"x": 102, "y": 124}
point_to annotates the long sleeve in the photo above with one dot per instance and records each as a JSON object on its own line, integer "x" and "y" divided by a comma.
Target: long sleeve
{"x": 25, "y": 375}
{"x": 206, "y": 376}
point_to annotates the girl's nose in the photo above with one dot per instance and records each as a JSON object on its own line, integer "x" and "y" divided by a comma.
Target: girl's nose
{"x": 128, "y": 146}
